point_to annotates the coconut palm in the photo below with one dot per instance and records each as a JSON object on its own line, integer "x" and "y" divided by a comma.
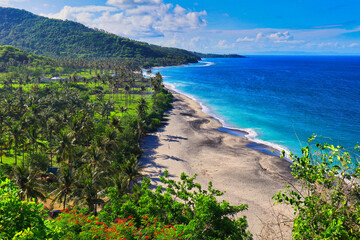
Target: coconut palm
{"x": 89, "y": 187}
{"x": 64, "y": 146}
{"x": 120, "y": 182}
{"x": 109, "y": 141}
{"x": 64, "y": 186}
{"x": 33, "y": 137}
{"x": 95, "y": 157}
{"x": 141, "y": 108}
{"x": 131, "y": 170}
{"x": 50, "y": 129}
{"x": 25, "y": 178}
{"x": 141, "y": 128}
{"x": 15, "y": 133}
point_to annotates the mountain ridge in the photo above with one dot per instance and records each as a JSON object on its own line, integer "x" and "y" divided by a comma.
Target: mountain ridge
{"x": 63, "y": 38}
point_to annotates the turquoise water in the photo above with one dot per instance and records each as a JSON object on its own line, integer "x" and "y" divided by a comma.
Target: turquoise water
{"x": 278, "y": 100}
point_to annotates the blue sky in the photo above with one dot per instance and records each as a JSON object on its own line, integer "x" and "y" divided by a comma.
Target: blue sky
{"x": 226, "y": 26}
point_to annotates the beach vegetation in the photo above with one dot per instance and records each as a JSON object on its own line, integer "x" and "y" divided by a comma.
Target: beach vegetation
{"x": 195, "y": 212}
{"x": 327, "y": 206}
{"x": 20, "y": 219}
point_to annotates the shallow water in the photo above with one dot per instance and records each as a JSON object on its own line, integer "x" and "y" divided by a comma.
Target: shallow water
{"x": 279, "y": 100}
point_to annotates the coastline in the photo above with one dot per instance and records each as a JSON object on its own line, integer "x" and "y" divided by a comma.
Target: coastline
{"x": 248, "y": 133}
{"x": 192, "y": 142}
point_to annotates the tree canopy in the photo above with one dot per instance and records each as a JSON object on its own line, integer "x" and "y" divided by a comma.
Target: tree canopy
{"x": 58, "y": 38}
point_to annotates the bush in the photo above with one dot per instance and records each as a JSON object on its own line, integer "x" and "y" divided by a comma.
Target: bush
{"x": 20, "y": 219}
{"x": 72, "y": 224}
{"x": 192, "y": 210}
{"x": 6, "y": 169}
{"x": 327, "y": 206}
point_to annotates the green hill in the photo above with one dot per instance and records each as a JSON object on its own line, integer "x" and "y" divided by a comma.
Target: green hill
{"x": 10, "y": 54}
{"x": 58, "y": 38}
{"x": 11, "y": 57}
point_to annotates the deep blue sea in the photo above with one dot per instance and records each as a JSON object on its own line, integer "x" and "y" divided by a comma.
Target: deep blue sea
{"x": 279, "y": 100}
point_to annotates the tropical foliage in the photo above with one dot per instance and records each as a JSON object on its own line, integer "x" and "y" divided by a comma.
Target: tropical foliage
{"x": 19, "y": 218}
{"x": 194, "y": 212}
{"x": 328, "y": 204}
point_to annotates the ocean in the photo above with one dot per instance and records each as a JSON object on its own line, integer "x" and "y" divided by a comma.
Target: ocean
{"x": 280, "y": 101}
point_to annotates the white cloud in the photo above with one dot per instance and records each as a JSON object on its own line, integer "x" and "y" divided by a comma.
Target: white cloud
{"x": 135, "y": 18}
{"x": 259, "y": 36}
{"x": 354, "y": 45}
{"x": 126, "y": 4}
{"x": 328, "y": 44}
{"x": 222, "y": 44}
{"x": 9, "y": 3}
{"x": 194, "y": 40}
{"x": 281, "y": 37}
{"x": 73, "y": 13}
{"x": 245, "y": 39}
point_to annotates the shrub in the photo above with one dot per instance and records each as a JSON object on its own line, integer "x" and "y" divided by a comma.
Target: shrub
{"x": 327, "y": 206}
{"x": 19, "y": 219}
{"x": 72, "y": 224}
{"x": 194, "y": 211}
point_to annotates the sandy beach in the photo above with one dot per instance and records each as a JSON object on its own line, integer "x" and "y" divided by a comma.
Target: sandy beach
{"x": 190, "y": 142}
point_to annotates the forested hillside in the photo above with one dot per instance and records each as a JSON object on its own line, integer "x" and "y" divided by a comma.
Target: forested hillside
{"x": 11, "y": 56}
{"x": 58, "y": 38}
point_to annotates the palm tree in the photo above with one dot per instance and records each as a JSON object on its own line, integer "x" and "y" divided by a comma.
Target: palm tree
{"x": 141, "y": 108}
{"x": 95, "y": 157}
{"x": 89, "y": 187}
{"x": 64, "y": 186}
{"x": 50, "y": 128}
{"x": 2, "y": 146}
{"x": 15, "y": 136}
{"x": 109, "y": 140}
{"x": 25, "y": 178}
{"x": 64, "y": 146}
{"x": 33, "y": 139}
{"x": 107, "y": 108}
{"x": 127, "y": 93}
{"x": 120, "y": 182}
{"x": 132, "y": 169}
{"x": 3, "y": 139}
{"x": 141, "y": 128}
{"x": 157, "y": 82}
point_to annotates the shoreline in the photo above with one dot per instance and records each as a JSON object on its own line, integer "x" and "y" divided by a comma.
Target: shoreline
{"x": 192, "y": 142}
{"x": 248, "y": 133}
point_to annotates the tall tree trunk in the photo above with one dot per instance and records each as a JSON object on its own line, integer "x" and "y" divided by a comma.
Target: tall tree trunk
{"x": 23, "y": 157}
{"x": 64, "y": 202}
{"x": 15, "y": 154}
